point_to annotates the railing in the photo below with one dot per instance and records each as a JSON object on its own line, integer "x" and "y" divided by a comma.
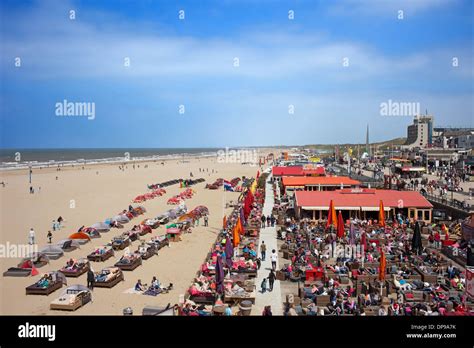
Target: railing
{"x": 453, "y": 203}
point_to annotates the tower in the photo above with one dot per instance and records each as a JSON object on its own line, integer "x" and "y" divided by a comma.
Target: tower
{"x": 367, "y": 143}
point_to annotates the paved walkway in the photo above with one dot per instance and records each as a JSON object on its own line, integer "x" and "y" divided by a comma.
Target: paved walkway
{"x": 269, "y": 235}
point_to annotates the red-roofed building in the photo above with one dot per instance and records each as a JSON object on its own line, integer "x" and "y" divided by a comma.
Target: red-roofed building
{"x": 317, "y": 183}
{"x": 279, "y": 172}
{"x": 363, "y": 203}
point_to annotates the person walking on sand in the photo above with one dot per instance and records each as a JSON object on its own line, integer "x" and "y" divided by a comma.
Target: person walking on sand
{"x": 263, "y": 250}
{"x": 31, "y": 236}
{"x": 263, "y": 221}
{"x": 90, "y": 279}
{"x": 54, "y": 225}
{"x": 274, "y": 258}
{"x": 271, "y": 279}
{"x": 264, "y": 285}
{"x": 206, "y": 221}
{"x": 49, "y": 236}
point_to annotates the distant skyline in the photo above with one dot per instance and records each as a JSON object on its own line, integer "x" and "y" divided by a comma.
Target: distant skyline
{"x": 245, "y": 72}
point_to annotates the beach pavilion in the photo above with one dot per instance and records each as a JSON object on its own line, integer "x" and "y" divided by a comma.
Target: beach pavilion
{"x": 317, "y": 183}
{"x": 362, "y": 204}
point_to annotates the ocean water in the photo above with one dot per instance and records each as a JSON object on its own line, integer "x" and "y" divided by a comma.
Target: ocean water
{"x": 20, "y": 158}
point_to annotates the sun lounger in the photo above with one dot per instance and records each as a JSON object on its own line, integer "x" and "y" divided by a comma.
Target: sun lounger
{"x": 17, "y": 272}
{"x": 150, "y": 251}
{"x": 203, "y": 298}
{"x": 120, "y": 244}
{"x": 428, "y": 277}
{"x": 111, "y": 282}
{"x": 76, "y": 272}
{"x": 164, "y": 311}
{"x": 71, "y": 301}
{"x": 38, "y": 290}
{"x": 237, "y": 298}
{"x": 129, "y": 266}
{"x": 100, "y": 257}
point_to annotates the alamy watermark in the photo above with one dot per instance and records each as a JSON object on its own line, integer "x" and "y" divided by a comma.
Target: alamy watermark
{"x": 243, "y": 156}
{"x": 14, "y": 251}
{"x": 67, "y": 108}
{"x": 394, "y": 108}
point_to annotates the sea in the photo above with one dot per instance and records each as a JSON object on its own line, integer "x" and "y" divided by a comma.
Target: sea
{"x": 24, "y": 158}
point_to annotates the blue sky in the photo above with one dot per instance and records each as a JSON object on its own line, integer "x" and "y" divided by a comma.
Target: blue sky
{"x": 190, "y": 62}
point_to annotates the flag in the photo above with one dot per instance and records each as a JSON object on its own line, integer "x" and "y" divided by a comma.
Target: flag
{"x": 228, "y": 186}
{"x": 381, "y": 214}
{"x": 382, "y": 266}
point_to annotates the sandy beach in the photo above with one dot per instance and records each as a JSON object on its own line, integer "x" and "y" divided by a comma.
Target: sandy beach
{"x": 99, "y": 192}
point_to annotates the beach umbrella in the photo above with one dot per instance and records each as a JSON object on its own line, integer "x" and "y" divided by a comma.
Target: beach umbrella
{"x": 331, "y": 215}
{"x": 340, "y": 226}
{"x": 240, "y": 226}
{"x": 80, "y": 236}
{"x": 68, "y": 243}
{"x": 416, "y": 239}
{"x": 101, "y": 226}
{"x": 382, "y": 266}
{"x": 352, "y": 234}
{"x": 219, "y": 275}
{"x": 236, "y": 236}
{"x": 34, "y": 270}
{"x": 381, "y": 214}
{"x": 121, "y": 218}
{"x": 186, "y": 217}
{"x": 229, "y": 251}
{"x": 363, "y": 240}
{"x": 242, "y": 217}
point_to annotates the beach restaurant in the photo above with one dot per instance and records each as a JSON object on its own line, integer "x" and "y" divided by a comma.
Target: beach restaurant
{"x": 321, "y": 183}
{"x": 362, "y": 204}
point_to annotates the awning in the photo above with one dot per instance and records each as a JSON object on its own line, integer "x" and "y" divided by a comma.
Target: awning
{"x": 327, "y": 208}
{"x": 375, "y": 208}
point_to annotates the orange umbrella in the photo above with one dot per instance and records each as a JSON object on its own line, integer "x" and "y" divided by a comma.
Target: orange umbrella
{"x": 236, "y": 236}
{"x": 382, "y": 266}
{"x": 79, "y": 235}
{"x": 240, "y": 226}
{"x": 331, "y": 215}
{"x": 381, "y": 214}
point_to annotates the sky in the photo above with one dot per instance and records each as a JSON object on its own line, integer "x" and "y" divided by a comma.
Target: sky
{"x": 231, "y": 72}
